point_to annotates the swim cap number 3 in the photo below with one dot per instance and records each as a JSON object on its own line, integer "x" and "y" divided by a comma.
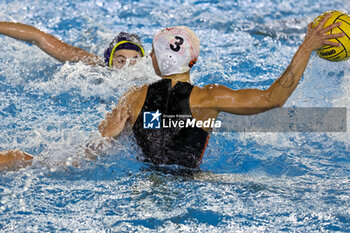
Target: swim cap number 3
{"x": 176, "y": 50}
{"x": 177, "y": 43}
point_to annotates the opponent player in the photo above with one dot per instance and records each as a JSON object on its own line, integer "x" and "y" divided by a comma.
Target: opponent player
{"x": 124, "y": 47}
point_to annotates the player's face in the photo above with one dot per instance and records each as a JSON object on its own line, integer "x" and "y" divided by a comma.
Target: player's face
{"x": 125, "y": 56}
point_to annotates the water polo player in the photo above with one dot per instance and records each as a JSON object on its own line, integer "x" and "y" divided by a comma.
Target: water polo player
{"x": 175, "y": 50}
{"x": 123, "y": 48}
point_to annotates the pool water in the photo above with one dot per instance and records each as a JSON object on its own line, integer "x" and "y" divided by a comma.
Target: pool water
{"x": 248, "y": 182}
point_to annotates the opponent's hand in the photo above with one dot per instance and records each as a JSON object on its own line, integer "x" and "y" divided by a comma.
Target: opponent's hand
{"x": 317, "y": 37}
{"x": 114, "y": 123}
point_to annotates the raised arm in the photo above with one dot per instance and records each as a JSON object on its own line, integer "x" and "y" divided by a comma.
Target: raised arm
{"x": 315, "y": 39}
{"x": 48, "y": 43}
{"x": 253, "y": 101}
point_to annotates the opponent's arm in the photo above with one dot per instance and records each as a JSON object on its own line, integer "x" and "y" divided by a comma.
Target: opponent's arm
{"x": 115, "y": 121}
{"x": 253, "y": 101}
{"x": 109, "y": 128}
{"x": 48, "y": 43}
{"x": 14, "y": 159}
{"x": 127, "y": 110}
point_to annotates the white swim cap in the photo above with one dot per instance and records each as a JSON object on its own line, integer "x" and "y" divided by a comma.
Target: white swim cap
{"x": 176, "y": 49}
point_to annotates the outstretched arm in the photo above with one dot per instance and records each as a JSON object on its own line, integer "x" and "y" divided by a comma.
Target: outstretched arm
{"x": 253, "y": 101}
{"x": 14, "y": 159}
{"x": 48, "y": 43}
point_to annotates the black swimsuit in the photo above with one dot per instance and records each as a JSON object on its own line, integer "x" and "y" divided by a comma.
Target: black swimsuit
{"x": 170, "y": 145}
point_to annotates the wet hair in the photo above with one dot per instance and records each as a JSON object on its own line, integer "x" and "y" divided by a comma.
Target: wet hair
{"x": 124, "y": 40}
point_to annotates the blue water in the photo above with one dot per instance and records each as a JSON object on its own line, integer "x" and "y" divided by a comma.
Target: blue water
{"x": 249, "y": 182}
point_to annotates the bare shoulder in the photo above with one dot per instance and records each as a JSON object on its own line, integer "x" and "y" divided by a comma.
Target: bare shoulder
{"x": 208, "y": 94}
{"x": 203, "y": 102}
{"x": 211, "y": 89}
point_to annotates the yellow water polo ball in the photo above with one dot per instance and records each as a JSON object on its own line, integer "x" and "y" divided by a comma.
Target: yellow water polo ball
{"x": 342, "y": 52}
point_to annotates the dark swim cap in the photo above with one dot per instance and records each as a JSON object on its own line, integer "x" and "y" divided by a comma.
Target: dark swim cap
{"x": 123, "y": 41}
